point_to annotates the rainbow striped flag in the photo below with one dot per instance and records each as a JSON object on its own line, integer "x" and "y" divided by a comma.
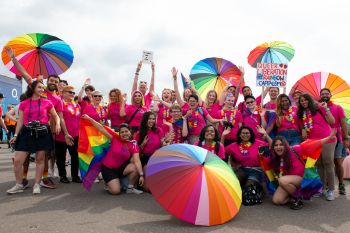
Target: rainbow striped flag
{"x": 92, "y": 148}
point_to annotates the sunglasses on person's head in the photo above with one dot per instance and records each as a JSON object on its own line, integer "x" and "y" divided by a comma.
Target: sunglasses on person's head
{"x": 143, "y": 82}
{"x": 250, "y": 102}
{"x": 97, "y": 96}
{"x": 71, "y": 92}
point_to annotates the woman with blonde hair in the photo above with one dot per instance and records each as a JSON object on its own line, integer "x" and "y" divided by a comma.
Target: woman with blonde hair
{"x": 113, "y": 108}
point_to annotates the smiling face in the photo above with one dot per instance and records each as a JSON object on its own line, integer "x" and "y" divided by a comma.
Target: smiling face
{"x": 250, "y": 103}
{"x": 273, "y": 92}
{"x": 187, "y": 93}
{"x": 61, "y": 85}
{"x": 285, "y": 103}
{"x": 96, "y": 98}
{"x": 143, "y": 87}
{"x": 151, "y": 121}
{"x": 279, "y": 147}
{"x": 232, "y": 89}
{"x": 209, "y": 133}
{"x": 296, "y": 96}
{"x": 211, "y": 97}
{"x": 247, "y": 91}
{"x": 124, "y": 133}
{"x": 229, "y": 101}
{"x": 166, "y": 95}
{"x": 39, "y": 89}
{"x": 325, "y": 96}
{"x": 304, "y": 102}
{"x": 137, "y": 98}
{"x": 175, "y": 114}
{"x": 245, "y": 135}
{"x": 114, "y": 97}
{"x": 68, "y": 95}
{"x": 52, "y": 83}
{"x": 192, "y": 102}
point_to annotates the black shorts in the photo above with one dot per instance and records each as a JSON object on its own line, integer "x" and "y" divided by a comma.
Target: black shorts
{"x": 27, "y": 142}
{"x": 109, "y": 174}
{"x": 144, "y": 159}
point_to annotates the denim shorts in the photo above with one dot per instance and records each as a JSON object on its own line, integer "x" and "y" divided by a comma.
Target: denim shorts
{"x": 252, "y": 173}
{"x": 292, "y": 136}
{"x": 340, "y": 151}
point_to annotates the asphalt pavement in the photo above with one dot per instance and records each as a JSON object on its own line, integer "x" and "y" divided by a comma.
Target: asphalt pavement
{"x": 69, "y": 208}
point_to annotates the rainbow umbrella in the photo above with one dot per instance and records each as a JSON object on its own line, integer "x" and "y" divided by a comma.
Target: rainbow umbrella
{"x": 214, "y": 73}
{"x": 193, "y": 184}
{"x": 271, "y": 52}
{"x": 39, "y": 54}
{"x": 314, "y": 82}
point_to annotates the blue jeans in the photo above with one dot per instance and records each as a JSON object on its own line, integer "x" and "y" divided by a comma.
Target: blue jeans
{"x": 292, "y": 136}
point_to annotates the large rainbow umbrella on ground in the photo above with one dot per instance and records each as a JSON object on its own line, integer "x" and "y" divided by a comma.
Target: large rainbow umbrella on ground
{"x": 193, "y": 184}
{"x": 271, "y": 52}
{"x": 39, "y": 54}
{"x": 314, "y": 82}
{"x": 214, "y": 73}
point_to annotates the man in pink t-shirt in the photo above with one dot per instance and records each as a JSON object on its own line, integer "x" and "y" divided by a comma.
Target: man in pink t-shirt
{"x": 142, "y": 87}
{"x": 342, "y": 136}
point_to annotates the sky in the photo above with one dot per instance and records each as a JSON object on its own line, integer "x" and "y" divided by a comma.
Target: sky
{"x": 108, "y": 36}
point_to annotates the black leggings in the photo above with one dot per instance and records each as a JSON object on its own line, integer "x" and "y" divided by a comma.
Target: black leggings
{"x": 60, "y": 151}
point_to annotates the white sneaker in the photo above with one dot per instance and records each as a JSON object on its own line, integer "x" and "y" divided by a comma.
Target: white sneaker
{"x": 133, "y": 190}
{"x": 18, "y": 188}
{"x": 36, "y": 189}
{"x": 330, "y": 195}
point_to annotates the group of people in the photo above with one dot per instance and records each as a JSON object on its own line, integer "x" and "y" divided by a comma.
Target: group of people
{"x": 239, "y": 133}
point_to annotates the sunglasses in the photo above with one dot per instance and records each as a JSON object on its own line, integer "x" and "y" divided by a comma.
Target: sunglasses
{"x": 143, "y": 82}
{"x": 71, "y": 92}
{"x": 97, "y": 96}
{"x": 249, "y": 102}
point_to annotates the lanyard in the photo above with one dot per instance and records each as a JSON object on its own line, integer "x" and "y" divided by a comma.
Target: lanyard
{"x": 30, "y": 110}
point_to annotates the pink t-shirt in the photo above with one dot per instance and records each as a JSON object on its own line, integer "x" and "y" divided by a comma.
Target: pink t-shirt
{"x": 221, "y": 152}
{"x": 31, "y": 112}
{"x": 114, "y": 114}
{"x": 320, "y": 127}
{"x": 252, "y": 120}
{"x": 98, "y": 113}
{"x": 177, "y": 129}
{"x": 147, "y": 100}
{"x": 234, "y": 117}
{"x": 185, "y": 108}
{"x": 85, "y": 102}
{"x": 297, "y": 167}
{"x": 71, "y": 116}
{"x": 251, "y": 158}
{"x": 242, "y": 106}
{"x": 290, "y": 120}
{"x": 136, "y": 121}
{"x": 196, "y": 121}
{"x": 213, "y": 110}
{"x": 55, "y": 100}
{"x": 119, "y": 153}
{"x": 153, "y": 143}
{"x": 163, "y": 113}
{"x": 338, "y": 114}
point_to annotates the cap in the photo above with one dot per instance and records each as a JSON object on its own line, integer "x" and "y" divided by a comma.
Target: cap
{"x": 1, "y": 96}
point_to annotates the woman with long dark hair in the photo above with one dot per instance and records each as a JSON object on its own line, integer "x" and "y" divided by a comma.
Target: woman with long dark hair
{"x": 33, "y": 134}
{"x": 287, "y": 120}
{"x": 316, "y": 121}
{"x": 209, "y": 139}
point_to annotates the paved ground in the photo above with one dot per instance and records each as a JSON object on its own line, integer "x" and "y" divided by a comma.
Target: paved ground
{"x": 71, "y": 209}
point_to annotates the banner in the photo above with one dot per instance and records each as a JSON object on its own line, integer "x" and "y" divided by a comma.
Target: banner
{"x": 271, "y": 75}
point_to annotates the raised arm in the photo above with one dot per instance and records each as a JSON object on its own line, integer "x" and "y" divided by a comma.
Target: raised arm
{"x": 81, "y": 92}
{"x": 98, "y": 126}
{"x": 265, "y": 134}
{"x": 176, "y": 87}
{"x": 122, "y": 112}
{"x": 151, "y": 86}
{"x": 239, "y": 84}
{"x": 136, "y": 78}
{"x": 18, "y": 66}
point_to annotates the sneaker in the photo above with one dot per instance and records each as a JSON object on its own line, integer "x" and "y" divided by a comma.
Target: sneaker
{"x": 133, "y": 190}
{"x": 76, "y": 180}
{"x": 330, "y": 195}
{"x": 64, "y": 180}
{"x": 47, "y": 183}
{"x": 342, "y": 190}
{"x": 96, "y": 180}
{"x": 296, "y": 204}
{"x": 25, "y": 183}
{"x": 105, "y": 187}
{"x": 36, "y": 189}
{"x": 18, "y": 188}
{"x": 321, "y": 194}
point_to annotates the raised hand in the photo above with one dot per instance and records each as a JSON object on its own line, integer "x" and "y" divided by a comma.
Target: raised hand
{"x": 174, "y": 72}
{"x": 139, "y": 65}
{"x": 261, "y": 130}
{"x": 9, "y": 52}
{"x": 227, "y": 131}
{"x": 152, "y": 66}
{"x": 241, "y": 68}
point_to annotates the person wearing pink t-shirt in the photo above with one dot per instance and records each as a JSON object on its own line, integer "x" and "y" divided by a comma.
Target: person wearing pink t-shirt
{"x": 196, "y": 119}
{"x": 315, "y": 123}
{"x": 163, "y": 107}
{"x": 231, "y": 118}
{"x": 33, "y": 134}
{"x": 270, "y": 108}
{"x": 209, "y": 139}
{"x": 246, "y": 91}
{"x": 113, "y": 108}
{"x": 287, "y": 121}
{"x": 342, "y": 136}
{"x": 211, "y": 103}
{"x": 142, "y": 87}
{"x": 253, "y": 116}
{"x": 95, "y": 110}
{"x": 244, "y": 156}
{"x": 231, "y": 88}
{"x": 122, "y": 159}
{"x": 177, "y": 129}
{"x": 288, "y": 165}
{"x": 133, "y": 113}
{"x": 71, "y": 115}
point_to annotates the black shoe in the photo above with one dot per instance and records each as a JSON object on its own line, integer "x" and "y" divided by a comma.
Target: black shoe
{"x": 296, "y": 204}
{"x": 64, "y": 180}
{"x": 76, "y": 180}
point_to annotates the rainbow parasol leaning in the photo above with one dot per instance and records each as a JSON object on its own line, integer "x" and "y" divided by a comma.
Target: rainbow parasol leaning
{"x": 39, "y": 54}
{"x": 193, "y": 184}
{"x": 271, "y": 52}
{"x": 214, "y": 74}
{"x": 314, "y": 82}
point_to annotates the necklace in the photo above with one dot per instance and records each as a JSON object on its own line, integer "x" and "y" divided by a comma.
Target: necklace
{"x": 244, "y": 147}
{"x": 232, "y": 118}
{"x": 307, "y": 120}
{"x": 289, "y": 115}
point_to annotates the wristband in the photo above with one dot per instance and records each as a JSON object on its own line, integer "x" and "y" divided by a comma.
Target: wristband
{"x": 136, "y": 73}
{"x": 15, "y": 135}
{"x": 141, "y": 174}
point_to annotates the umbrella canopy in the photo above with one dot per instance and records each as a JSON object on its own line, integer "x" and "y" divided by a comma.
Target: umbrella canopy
{"x": 39, "y": 54}
{"x": 314, "y": 82}
{"x": 271, "y": 52}
{"x": 214, "y": 73}
{"x": 193, "y": 184}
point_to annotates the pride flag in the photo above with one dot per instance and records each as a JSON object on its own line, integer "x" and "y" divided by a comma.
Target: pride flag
{"x": 93, "y": 146}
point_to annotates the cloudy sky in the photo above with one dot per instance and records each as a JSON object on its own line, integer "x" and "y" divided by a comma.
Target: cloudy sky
{"x": 108, "y": 36}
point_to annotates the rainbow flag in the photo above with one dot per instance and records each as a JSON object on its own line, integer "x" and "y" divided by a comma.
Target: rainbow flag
{"x": 93, "y": 146}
